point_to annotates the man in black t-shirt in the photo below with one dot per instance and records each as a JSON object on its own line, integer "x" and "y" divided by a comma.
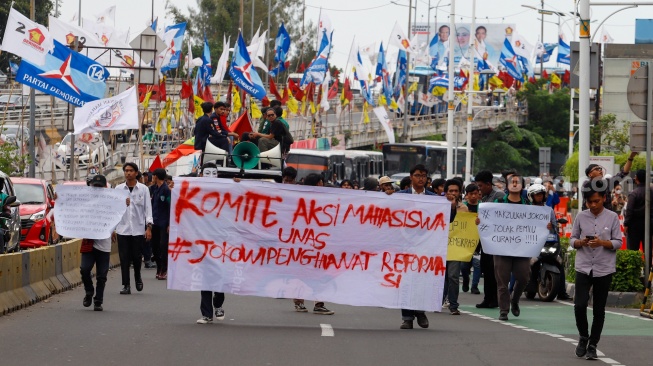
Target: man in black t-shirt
{"x": 277, "y": 133}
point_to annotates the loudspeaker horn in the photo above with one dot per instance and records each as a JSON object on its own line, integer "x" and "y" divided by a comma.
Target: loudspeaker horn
{"x": 245, "y": 155}
{"x": 211, "y": 152}
{"x": 272, "y": 157}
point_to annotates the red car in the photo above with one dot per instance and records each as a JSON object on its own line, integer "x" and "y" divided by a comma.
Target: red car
{"x": 36, "y": 198}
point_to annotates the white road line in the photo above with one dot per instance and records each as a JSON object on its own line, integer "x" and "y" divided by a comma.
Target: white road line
{"x": 327, "y": 330}
{"x": 609, "y": 312}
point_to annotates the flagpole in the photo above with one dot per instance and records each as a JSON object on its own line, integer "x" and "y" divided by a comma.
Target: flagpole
{"x": 450, "y": 104}
{"x": 470, "y": 102}
{"x": 32, "y": 107}
{"x": 346, "y": 77}
{"x": 405, "y": 127}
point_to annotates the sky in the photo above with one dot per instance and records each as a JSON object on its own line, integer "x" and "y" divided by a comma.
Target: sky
{"x": 371, "y": 21}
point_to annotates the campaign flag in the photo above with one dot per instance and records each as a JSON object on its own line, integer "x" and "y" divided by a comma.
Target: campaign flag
{"x": 281, "y": 45}
{"x": 433, "y": 51}
{"x": 399, "y": 39}
{"x": 65, "y": 33}
{"x": 173, "y": 49}
{"x": 400, "y": 74}
{"x": 564, "y": 51}
{"x": 108, "y": 16}
{"x": 324, "y": 30}
{"x": 223, "y": 62}
{"x": 13, "y": 68}
{"x": 605, "y": 36}
{"x": 154, "y": 24}
{"x": 317, "y": 69}
{"x": 206, "y": 63}
{"x": 263, "y": 256}
{"x": 544, "y": 51}
{"x": 510, "y": 60}
{"x": 66, "y": 75}
{"x": 116, "y": 113}
{"x": 242, "y": 73}
{"x": 383, "y": 75}
{"x": 27, "y": 39}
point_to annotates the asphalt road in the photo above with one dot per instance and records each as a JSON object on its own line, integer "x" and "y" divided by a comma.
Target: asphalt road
{"x": 157, "y": 327}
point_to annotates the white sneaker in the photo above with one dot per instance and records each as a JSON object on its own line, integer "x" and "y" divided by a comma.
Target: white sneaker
{"x": 446, "y": 304}
{"x": 205, "y": 320}
{"x": 219, "y": 314}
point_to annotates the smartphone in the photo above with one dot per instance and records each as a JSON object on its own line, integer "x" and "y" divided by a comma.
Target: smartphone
{"x": 590, "y": 237}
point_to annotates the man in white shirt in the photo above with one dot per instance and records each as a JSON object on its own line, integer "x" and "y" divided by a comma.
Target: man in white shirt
{"x": 134, "y": 228}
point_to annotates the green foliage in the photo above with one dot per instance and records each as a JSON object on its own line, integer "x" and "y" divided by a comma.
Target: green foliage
{"x": 517, "y": 148}
{"x": 608, "y": 134}
{"x": 627, "y": 276}
{"x": 439, "y": 137}
{"x": 10, "y": 160}
{"x": 629, "y": 270}
{"x": 548, "y": 116}
{"x": 570, "y": 169}
{"x": 334, "y": 141}
{"x": 43, "y": 9}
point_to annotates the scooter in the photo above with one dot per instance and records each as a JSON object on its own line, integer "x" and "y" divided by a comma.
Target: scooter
{"x": 545, "y": 270}
{"x": 5, "y": 217}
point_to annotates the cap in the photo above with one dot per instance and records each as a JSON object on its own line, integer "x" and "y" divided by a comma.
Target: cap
{"x": 98, "y": 181}
{"x": 384, "y": 180}
{"x": 590, "y": 168}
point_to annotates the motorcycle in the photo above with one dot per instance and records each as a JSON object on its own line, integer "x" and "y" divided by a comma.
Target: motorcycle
{"x": 5, "y": 217}
{"x": 545, "y": 270}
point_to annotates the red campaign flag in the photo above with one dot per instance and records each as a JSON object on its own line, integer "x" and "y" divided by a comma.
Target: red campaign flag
{"x": 142, "y": 91}
{"x": 301, "y": 68}
{"x": 161, "y": 95}
{"x": 465, "y": 75}
{"x": 274, "y": 90}
{"x": 241, "y": 125}
{"x": 295, "y": 90}
{"x": 531, "y": 80}
{"x": 566, "y": 78}
{"x": 156, "y": 164}
{"x": 186, "y": 90}
{"x": 545, "y": 75}
{"x": 508, "y": 80}
{"x": 265, "y": 101}
{"x": 207, "y": 95}
{"x": 286, "y": 94}
{"x": 310, "y": 92}
{"x": 229, "y": 90}
{"x": 346, "y": 89}
{"x": 333, "y": 90}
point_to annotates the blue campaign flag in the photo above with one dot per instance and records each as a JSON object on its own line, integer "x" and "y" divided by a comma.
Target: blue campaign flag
{"x": 206, "y": 63}
{"x": 564, "y": 52}
{"x": 281, "y": 45}
{"x": 383, "y": 75}
{"x": 154, "y": 23}
{"x": 316, "y": 70}
{"x": 433, "y": 51}
{"x": 242, "y": 72}
{"x": 13, "y": 68}
{"x": 400, "y": 74}
{"x": 510, "y": 60}
{"x": 548, "y": 50}
{"x": 66, "y": 75}
{"x": 365, "y": 92}
{"x": 175, "y": 46}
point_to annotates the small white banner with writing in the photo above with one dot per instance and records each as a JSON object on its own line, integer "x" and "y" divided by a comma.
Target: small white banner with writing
{"x": 315, "y": 243}
{"x": 513, "y": 230}
{"x": 88, "y": 212}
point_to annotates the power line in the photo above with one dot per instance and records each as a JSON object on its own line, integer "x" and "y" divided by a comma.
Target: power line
{"x": 348, "y": 10}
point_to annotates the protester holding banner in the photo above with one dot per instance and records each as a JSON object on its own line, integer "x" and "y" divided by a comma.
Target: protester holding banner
{"x": 596, "y": 236}
{"x": 489, "y": 193}
{"x": 134, "y": 228}
{"x": 472, "y": 196}
{"x": 453, "y": 189}
{"x": 418, "y": 176}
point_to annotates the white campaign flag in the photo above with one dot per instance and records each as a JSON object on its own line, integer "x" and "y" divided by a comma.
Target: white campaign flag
{"x": 65, "y": 33}
{"x": 383, "y": 117}
{"x": 398, "y": 38}
{"x": 315, "y": 243}
{"x": 107, "y": 16}
{"x": 116, "y": 113}
{"x": 27, "y": 39}
{"x": 223, "y": 62}
{"x": 605, "y": 36}
{"x": 521, "y": 46}
{"x": 324, "y": 27}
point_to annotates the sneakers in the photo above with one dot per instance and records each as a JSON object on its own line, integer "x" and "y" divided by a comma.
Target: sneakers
{"x": 454, "y": 311}
{"x": 406, "y": 324}
{"x": 299, "y": 307}
{"x": 204, "y": 320}
{"x": 321, "y": 310}
{"x": 219, "y": 314}
{"x": 88, "y": 299}
{"x": 126, "y": 290}
{"x": 475, "y": 290}
{"x": 503, "y": 316}
{"x": 591, "y": 352}
{"x": 163, "y": 276}
{"x": 581, "y": 348}
{"x": 514, "y": 308}
{"x": 150, "y": 265}
{"x": 446, "y": 304}
{"x": 422, "y": 320}
{"x": 97, "y": 307}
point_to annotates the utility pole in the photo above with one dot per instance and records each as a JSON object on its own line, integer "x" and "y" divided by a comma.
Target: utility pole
{"x": 584, "y": 95}
{"x": 406, "y": 83}
{"x": 241, "y": 14}
{"x": 251, "y": 33}
{"x": 470, "y": 100}
{"x": 450, "y": 102}
{"x": 32, "y": 107}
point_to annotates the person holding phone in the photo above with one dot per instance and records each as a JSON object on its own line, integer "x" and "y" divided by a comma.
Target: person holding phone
{"x": 596, "y": 236}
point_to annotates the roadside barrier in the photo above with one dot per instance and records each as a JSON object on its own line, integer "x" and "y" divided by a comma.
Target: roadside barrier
{"x": 32, "y": 276}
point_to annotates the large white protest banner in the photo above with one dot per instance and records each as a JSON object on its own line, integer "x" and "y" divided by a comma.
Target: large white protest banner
{"x": 88, "y": 212}
{"x": 513, "y": 230}
{"x": 314, "y": 243}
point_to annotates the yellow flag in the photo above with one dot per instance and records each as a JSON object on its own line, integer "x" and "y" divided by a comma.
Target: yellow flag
{"x": 163, "y": 113}
{"x": 284, "y": 115}
{"x": 412, "y": 88}
{"x": 382, "y": 100}
{"x": 178, "y": 112}
{"x": 366, "y": 116}
{"x": 313, "y": 110}
{"x": 146, "y": 100}
{"x": 236, "y": 104}
{"x": 198, "y": 106}
{"x": 496, "y": 82}
{"x": 256, "y": 112}
{"x": 555, "y": 79}
{"x": 343, "y": 101}
{"x": 293, "y": 104}
{"x": 439, "y": 91}
{"x": 304, "y": 104}
{"x": 476, "y": 85}
{"x": 393, "y": 104}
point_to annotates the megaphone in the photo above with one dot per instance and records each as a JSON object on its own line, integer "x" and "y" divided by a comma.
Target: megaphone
{"x": 245, "y": 155}
{"x": 272, "y": 157}
{"x": 211, "y": 152}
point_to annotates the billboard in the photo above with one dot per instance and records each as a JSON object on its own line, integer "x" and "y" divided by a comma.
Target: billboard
{"x": 489, "y": 39}
{"x": 643, "y": 31}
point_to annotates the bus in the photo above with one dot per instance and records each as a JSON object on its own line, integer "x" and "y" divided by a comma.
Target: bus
{"x": 357, "y": 165}
{"x": 401, "y": 157}
{"x": 376, "y": 168}
{"x": 327, "y": 163}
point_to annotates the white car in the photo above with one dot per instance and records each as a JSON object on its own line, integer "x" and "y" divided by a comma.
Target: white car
{"x": 90, "y": 150}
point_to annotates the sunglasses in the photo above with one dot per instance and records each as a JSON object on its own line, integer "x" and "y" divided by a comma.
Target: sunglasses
{"x": 270, "y": 115}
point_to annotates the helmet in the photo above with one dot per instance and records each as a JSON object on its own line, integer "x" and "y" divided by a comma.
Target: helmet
{"x": 535, "y": 189}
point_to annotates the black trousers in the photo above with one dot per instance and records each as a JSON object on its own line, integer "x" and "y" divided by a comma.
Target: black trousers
{"x": 210, "y": 300}
{"x": 159, "y": 242}
{"x": 129, "y": 250}
{"x": 489, "y": 279}
{"x": 600, "y": 287}
{"x": 100, "y": 260}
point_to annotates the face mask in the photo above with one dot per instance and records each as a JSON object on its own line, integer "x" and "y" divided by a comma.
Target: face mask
{"x": 210, "y": 172}
{"x": 617, "y": 191}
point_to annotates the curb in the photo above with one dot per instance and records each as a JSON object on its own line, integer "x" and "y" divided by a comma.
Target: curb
{"x": 615, "y": 299}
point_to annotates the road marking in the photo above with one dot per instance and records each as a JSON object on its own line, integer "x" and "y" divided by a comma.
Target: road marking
{"x": 327, "y": 330}
{"x": 609, "y": 312}
{"x": 574, "y": 342}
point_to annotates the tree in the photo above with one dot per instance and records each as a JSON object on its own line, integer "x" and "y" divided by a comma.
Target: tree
{"x": 548, "y": 116}
{"x": 509, "y": 146}
{"x": 608, "y": 134}
{"x": 10, "y": 160}
{"x": 43, "y": 9}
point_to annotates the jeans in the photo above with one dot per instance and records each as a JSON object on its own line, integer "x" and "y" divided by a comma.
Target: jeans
{"x": 159, "y": 241}
{"x": 409, "y": 314}
{"x": 129, "y": 250}
{"x": 503, "y": 267}
{"x": 452, "y": 284}
{"x": 600, "y": 287}
{"x": 489, "y": 280}
{"x": 100, "y": 260}
{"x": 209, "y": 301}
{"x": 466, "y": 267}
